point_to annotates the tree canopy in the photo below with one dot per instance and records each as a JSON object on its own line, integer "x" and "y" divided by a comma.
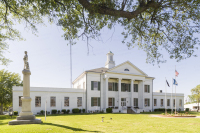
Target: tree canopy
{"x": 152, "y": 25}
{"x": 7, "y": 81}
{"x": 196, "y": 94}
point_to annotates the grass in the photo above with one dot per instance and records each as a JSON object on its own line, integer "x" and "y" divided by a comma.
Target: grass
{"x": 92, "y": 123}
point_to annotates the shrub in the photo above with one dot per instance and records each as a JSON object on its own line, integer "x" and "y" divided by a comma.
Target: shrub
{"x": 58, "y": 111}
{"x": 83, "y": 110}
{"x": 68, "y": 111}
{"x": 42, "y": 112}
{"x": 64, "y": 111}
{"x": 187, "y": 109}
{"x": 79, "y": 110}
{"x": 75, "y": 110}
{"x": 53, "y": 111}
{"x": 15, "y": 112}
{"x": 109, "y": 110}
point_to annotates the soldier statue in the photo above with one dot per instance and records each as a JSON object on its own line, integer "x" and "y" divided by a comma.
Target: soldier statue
{"x": 26, "y": 64}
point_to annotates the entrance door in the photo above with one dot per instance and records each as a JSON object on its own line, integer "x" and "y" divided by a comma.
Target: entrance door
{"x": 123, "y": 103}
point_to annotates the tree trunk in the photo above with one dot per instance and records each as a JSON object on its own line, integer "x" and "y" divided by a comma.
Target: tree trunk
{"x": 1, "y": 112}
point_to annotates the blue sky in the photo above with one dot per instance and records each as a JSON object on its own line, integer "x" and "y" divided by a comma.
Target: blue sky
{"x": 50, "y": 61}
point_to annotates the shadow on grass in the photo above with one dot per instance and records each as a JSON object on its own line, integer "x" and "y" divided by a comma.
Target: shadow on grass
{"x": 68, "y": 127}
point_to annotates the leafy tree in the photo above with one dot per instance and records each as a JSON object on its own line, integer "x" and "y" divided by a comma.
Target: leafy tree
{"x": 196, "y": 94}
{"x": 152, "y": 25}
{"x": 7, "y": 81}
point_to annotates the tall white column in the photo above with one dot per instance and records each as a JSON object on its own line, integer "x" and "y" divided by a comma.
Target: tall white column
{"x": 132, "y": 87}
{"x": 143, "y": 93}
{"x": 106, "y": 92}
{"x": 119, "y": 93}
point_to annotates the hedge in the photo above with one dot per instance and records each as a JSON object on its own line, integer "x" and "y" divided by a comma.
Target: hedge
{"x": 53, "y": 111}
{"x": 68, "y": 111}
{"x": 75, "y": 110}
{"x": 42, "y": 112}
{"x": 15, "y": 112}
{"x": 64, "y": 111}
{"x": 187, "y": 109}
{"x": 83, "y": 110}
{"x": 162, "y": 110}
{"x": 109, "y": 110}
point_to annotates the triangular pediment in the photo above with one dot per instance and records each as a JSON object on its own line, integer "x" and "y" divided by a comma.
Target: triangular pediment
{"x": 127, "y": 68}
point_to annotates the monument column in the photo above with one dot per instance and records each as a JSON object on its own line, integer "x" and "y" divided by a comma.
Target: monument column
{"x": 119, "y": 94}
{"x": 26, "y": 116}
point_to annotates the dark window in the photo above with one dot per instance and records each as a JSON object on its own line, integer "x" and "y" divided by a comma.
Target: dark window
{"x": 95, "y": 101}
{"x": 66, "y": 101}
{"x": 155, "y": 102}
{"x": 111, "y": 101}
{"x": 20, "y": 101}
{"x": 95, "y": 85}
{"x": 79, "y": 101}
{"x": 135, "y": 88}
{"x": 53, "y": 101}
{"x": 126, "y": 69}
{"x": 147, "y": 88}
{"x": 135, "y": 102}
{"x": 37, "y": 101}
{"x": 125, "y": 87}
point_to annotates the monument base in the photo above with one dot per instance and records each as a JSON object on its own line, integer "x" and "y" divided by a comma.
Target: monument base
{"x": 19, "y": 122}
{"x": 26, "y": 117}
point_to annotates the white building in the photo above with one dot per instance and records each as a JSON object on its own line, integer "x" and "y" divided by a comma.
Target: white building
{"x": 192, "y": 107}
{"x": 120, "y": 87}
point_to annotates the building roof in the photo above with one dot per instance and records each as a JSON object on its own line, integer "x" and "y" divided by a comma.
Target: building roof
{"x": 99, "y": 70}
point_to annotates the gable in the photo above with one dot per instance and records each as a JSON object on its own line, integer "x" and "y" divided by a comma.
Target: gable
{"x": 127, "y": 68}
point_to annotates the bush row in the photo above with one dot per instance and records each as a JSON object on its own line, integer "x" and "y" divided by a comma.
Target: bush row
{"x": 162, "y": 110}
{"x": 109, "y": 110}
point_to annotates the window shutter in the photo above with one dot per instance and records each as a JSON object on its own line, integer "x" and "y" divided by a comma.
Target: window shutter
{"x": 92, "y": 103}
{"x": 149, "y": 88}
{"x": 99, "y": 86}
{"x": 99, "y": 103}
{"x": 113, "y": 101}
{"x": 148, "y": 102}
{"x": 92, "y": 85}
{"x": 129, "y": 87}
{"x": 122, "y": 86}
{"x": 113, "y": 86}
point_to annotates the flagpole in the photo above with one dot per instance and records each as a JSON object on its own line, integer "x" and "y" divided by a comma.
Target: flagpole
{"x": 172, "y": 99}
{"x": 175, "y": 91}
{"x": 165, "y": 96}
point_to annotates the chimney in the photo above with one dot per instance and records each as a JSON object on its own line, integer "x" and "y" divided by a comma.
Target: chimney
{"x": 110, "y": 63}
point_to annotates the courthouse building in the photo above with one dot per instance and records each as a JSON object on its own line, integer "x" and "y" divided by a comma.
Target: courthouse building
{"x": 120, "y": 87}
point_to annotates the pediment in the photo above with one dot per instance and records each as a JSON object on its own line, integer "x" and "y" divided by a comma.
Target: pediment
{"x": 127, "y": 68}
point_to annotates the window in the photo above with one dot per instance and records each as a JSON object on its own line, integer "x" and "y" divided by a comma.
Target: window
{"x": 123, "y": 101}
{"x": 126, "y": 69}
{"x": 146, "y": 102}
{"x": 111, "y": 101}
{"x": 20, "y": 101}
{"x": 66, "y": 101}
{"x": 135, "y": 88}
{"x": 174, "y": 102}
{"x": 112, "y": 86}
{"x": 95, "y": 85}
{"x": 53, "y": 101}
{"x": 125, "y": 87}
{"x": 161, "y": 102}
{"x": 168, "y": 102}
{"x": 135, "y": 101}
{"x": 180, "y": 102}
{"x": 83, "y": 85}
{"x": 111, "y": 58}
{"x": 147, "y": 88}
{"x": 95, "y": 101}
{"x": 37, "y": 101}
{"x": 79, "y": 101}
{"x": 155, "y": 102}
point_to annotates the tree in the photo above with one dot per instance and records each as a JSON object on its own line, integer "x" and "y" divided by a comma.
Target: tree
{"x": 152, "y": 25}
{"x": 196, "y": 94}
{"x": 7, "y": 81}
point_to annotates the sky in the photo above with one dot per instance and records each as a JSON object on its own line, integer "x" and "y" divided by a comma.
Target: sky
{"x": 49, "y": 59}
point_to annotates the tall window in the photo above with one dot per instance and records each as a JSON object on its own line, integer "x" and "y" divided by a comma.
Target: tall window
{"x": 37, "y": 101}
{"x": 174, "y": 102}
{"x": 79, "y": 101}
{"x": 155, "y": 102}
{"x": 111, "y": 101}
{"x": 135, "y": 88}
{"x": 147, "y": 88}
{"x": 66, "y": 101}
{"x": 180, "y": 102}
{"x": 95, "y": 101}
{"x": 125, "y": 87}
{"x": 146, "y": 102}
{"x": 135, "y": 101}
{"x": 53, "y": 102}
{"x": 168, "y": 102}
{"x": 161, "y": 102}
{"x": 95, "y": 85}
{"x": 112, "y": 86}
{"x": 20, "y": 101}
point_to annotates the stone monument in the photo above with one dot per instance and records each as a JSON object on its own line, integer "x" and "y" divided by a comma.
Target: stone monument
{"x": 26, "y": 116}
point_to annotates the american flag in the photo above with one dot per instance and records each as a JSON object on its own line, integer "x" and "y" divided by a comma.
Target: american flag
{"x": 176, "y": 73}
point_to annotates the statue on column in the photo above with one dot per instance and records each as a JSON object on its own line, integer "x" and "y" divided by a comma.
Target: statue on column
{"x": 26, "y": 64}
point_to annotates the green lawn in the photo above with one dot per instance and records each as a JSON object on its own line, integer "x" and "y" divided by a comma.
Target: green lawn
{"x": 92, "y": 123}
